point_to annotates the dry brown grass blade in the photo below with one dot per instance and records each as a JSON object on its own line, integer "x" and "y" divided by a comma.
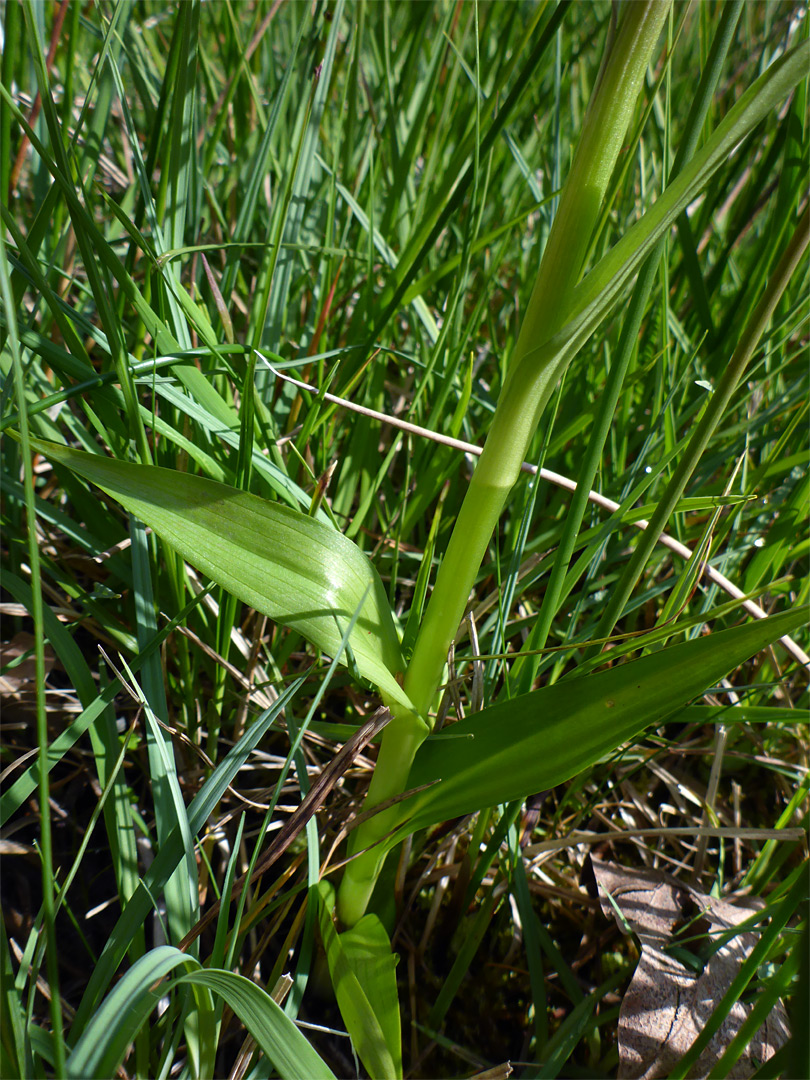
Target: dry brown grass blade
{"x": 310, "y": 805}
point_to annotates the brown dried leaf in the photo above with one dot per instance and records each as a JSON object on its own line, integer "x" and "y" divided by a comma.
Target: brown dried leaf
{"x": 667, "y": 1005}
{"x": 497, "y": 1072}
{"x": 24, "y": 673}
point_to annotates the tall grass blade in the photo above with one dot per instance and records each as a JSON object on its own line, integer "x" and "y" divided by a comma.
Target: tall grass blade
{"x": 283, "y": 1044}
{"x": 101, "y": 1049}
{"x": 168, "y": 857}
{"x": 37, "y": 612}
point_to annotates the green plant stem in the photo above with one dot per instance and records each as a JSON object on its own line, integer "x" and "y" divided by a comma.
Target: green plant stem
{"x": 532, "y": 375}
{"x": 406, "y": 732}
{"x": 45, "y": 842}
{"x": 524, "y": 670}
{"x": 717, "y": 405}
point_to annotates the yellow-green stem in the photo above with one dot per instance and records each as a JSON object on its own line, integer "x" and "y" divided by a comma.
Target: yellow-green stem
{"x": 404, "y": 734}
{"x": 533, "y": 372}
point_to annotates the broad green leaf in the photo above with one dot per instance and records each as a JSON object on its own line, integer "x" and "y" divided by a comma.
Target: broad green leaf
{"x": 281, "y": 1041}
{"x": 361, "y": 966}
{"x": 539, "y": 740}
{"x": 295, "y": 569}
{"x": 368, "y": 950}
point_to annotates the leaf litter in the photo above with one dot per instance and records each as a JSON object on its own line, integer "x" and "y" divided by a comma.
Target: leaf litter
{"x": 680, "y": 976}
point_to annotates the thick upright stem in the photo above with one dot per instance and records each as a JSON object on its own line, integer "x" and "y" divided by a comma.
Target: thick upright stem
{"x": 498, "y": 468}
{"x": 390, "y": 775}
{"x": 532, "y": 375}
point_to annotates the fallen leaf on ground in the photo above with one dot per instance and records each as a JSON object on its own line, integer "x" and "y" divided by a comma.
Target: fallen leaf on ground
{"x": 668, "y": 1003}
{"x": 23, "y": 673}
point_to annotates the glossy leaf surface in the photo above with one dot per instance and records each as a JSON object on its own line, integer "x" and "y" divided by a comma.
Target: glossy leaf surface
{"x": 297, "y": 570}
{"x": 362, "y": 969}
{"x": 539, "y": 740}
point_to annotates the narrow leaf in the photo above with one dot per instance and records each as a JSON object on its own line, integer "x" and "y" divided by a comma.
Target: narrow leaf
{"x": 273, "y": 1030}
{"x": 102, "y": 1047}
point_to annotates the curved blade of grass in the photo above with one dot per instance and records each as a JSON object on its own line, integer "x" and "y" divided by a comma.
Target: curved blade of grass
{"x": 259, "y": 165}
{"x": 102, "y": 1047}
{"x": 94, "y": 704}
{"x": 361, "y": 966}
{"x": 460, "y": 173}
{"x": 791, "y": 259}
{"x": 269, "y": 1025}
{"x": 537, "y": 741}
{"x": 298, "y": 193}
{"x": 15, "y": 1033}
{"x": 168, "y": 857}
{"x": 84, "y": 225}
{"x": 41, "y": 721}
{"x": 182, "y": 900}
{"x": 778, "y": 986}
{"x": 293, "y": 568}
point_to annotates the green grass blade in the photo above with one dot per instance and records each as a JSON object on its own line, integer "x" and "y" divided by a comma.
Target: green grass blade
{"x": 531, "y": 925}
{"x": 37, "y": 610}
{"x": 792, "y": 257}
{"x": 260, "y": 164}
{"x": 613, "y": 272}
{"x": 299, "y": 192}
{"x": 168, "y": 857}
{"x": 779, "y": 985}
{"x": 447, "y": 202}
{"x": 795, "y": 897}
{"x": 102, "y": 1047}
{"x": 461, "y": 965}
{"x": 13, "y": 798}
{"x": 182, "y": 155}
{"x": 12, "y": 1015}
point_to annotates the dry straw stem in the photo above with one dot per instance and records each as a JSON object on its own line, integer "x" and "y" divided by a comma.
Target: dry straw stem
{"x": 726, "y": 832}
